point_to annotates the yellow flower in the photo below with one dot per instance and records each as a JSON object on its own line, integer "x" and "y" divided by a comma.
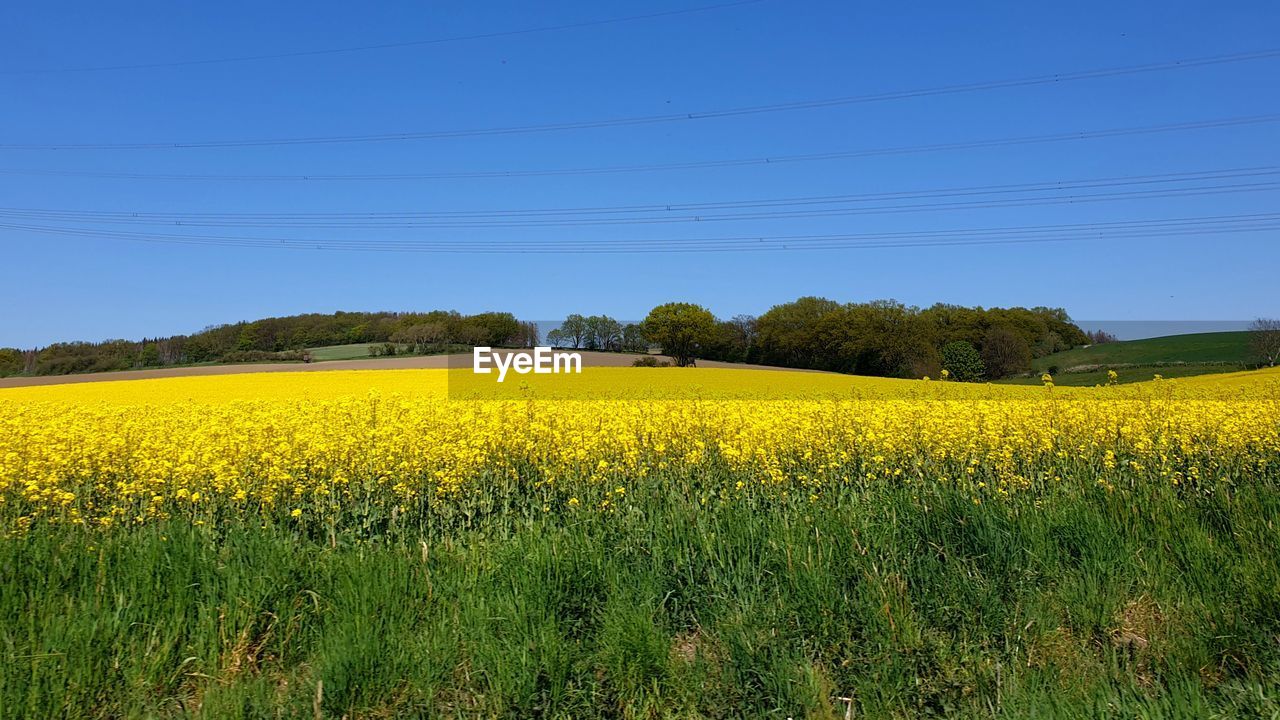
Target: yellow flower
{"x": 109, "y": 454}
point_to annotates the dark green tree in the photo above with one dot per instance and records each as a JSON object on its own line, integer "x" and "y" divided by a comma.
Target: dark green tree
{"x": 788, "y": 334}
{"x": 680, "y": 329}
{"x": 962, "y": 361}
{"x": 633, "y": 338}
{"x": 1005, "y": 352}
{"x": 11, "y": 362}
{"x": 603, "y": 333}
{"x": 574, "y": 331}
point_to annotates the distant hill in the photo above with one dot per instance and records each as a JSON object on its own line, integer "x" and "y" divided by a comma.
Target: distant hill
{"x": 274, "y": 339}
{"x": 1219, "y": 347}
{"x": 1137, "y": 360}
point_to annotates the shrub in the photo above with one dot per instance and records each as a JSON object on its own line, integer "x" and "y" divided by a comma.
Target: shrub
{"x": 962, "y": 361}
{"x": 248, "y": 356}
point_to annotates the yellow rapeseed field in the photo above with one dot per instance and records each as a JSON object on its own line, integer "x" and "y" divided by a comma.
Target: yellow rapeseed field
{"x": 313, "y": 445}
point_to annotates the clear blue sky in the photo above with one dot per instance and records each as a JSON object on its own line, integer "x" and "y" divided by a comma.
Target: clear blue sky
{"x": 773, "y": 51}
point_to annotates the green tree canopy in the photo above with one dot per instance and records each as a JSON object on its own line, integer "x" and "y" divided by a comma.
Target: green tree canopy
{"x": 680, "y": 329}
{"x": 962, "y": 361}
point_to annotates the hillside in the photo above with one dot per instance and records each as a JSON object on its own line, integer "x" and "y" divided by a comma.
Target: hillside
{"x": 1219, "y": 347}
{"x": 338, "y": 335}
{"x": 1137, "y": 360}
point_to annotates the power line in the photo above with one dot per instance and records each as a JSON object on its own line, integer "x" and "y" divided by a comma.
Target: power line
{"x": 382, "y": 46}
{"x": 377, "y": 221}
{"x": 674, "y": 117}
{"x": 707, "y": 164}
{"x": 527, "y": 224}
{"x": 663, "y": 208}
{"x": 1015, "y": 235}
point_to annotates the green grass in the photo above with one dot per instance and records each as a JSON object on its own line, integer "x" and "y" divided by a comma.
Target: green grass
{"x": 1220, "y": 347}
{"x": 354, "y": 351}
{"x": 360, "y": 351}
{"x": 1146, "y": 601}
{"x": 1139, "y": 360}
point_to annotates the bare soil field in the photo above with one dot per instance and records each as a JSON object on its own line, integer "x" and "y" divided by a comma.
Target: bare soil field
{"x": 589, "y": 359}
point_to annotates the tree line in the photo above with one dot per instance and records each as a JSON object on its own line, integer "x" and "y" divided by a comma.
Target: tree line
{"x": 275, "y": 338}
{"x": 598, "y": 332}
{"x": 883, "y": 338}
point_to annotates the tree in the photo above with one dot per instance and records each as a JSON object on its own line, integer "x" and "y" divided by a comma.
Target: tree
{"x": 1099, "y": 337}
{"x": 473, "y": 336}
{"x": 951, "y": 323}
{"x": 527, "y": 336}
{"x": 573, "y": 331}
{"x": 962, "y": 361}
{"x": 885, "y": 338}
{"x": 500, "y": 328}
{"x": 1005, "y": 352}
{"x": 734, "y": 339}
{"x": 433, "y": 333}
{"x": 633, "y": 339}
{"x": 787, "y": 334}
{"x": 680, "y": 329}
{"x": 1264, "y": 340}
{"x": 11, "y": 361}
{"x": 745, "y": 327}
{"x": 150, "y": 355}
{"x": 423, "y": 337}
{"x": 1050, "y": 344}
{"x": 1059, "y": 322}
{"x": 603, "y": 333}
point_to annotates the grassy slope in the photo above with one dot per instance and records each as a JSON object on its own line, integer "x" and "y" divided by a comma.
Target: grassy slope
{"x": 914, "y": 601}
{"x": 1223, "y": 347}
{"x": 342, "y": 352}
{"x": 1138, "y": 360}
{"x": 360, "y": 351}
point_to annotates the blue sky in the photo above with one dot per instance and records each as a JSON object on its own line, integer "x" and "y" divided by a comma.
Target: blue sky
{"x": 772, "y": 51}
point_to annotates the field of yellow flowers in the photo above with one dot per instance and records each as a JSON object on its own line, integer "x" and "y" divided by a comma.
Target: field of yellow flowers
{"x": 639, "y": 543}
{"x": 315, "y": 444}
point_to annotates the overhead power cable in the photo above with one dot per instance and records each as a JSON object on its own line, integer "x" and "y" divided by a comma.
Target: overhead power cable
{"x": 1016, "y": 235}
{"x": 664, "y": 167}
{"x": 1055, "y": 78}
{"x": 380, "y": 46}
{"x": 985, "y": 197}
{"x": 1110, "y": 181}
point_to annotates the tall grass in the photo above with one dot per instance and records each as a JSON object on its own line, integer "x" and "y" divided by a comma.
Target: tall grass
{"x": 1078, "y": 601}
